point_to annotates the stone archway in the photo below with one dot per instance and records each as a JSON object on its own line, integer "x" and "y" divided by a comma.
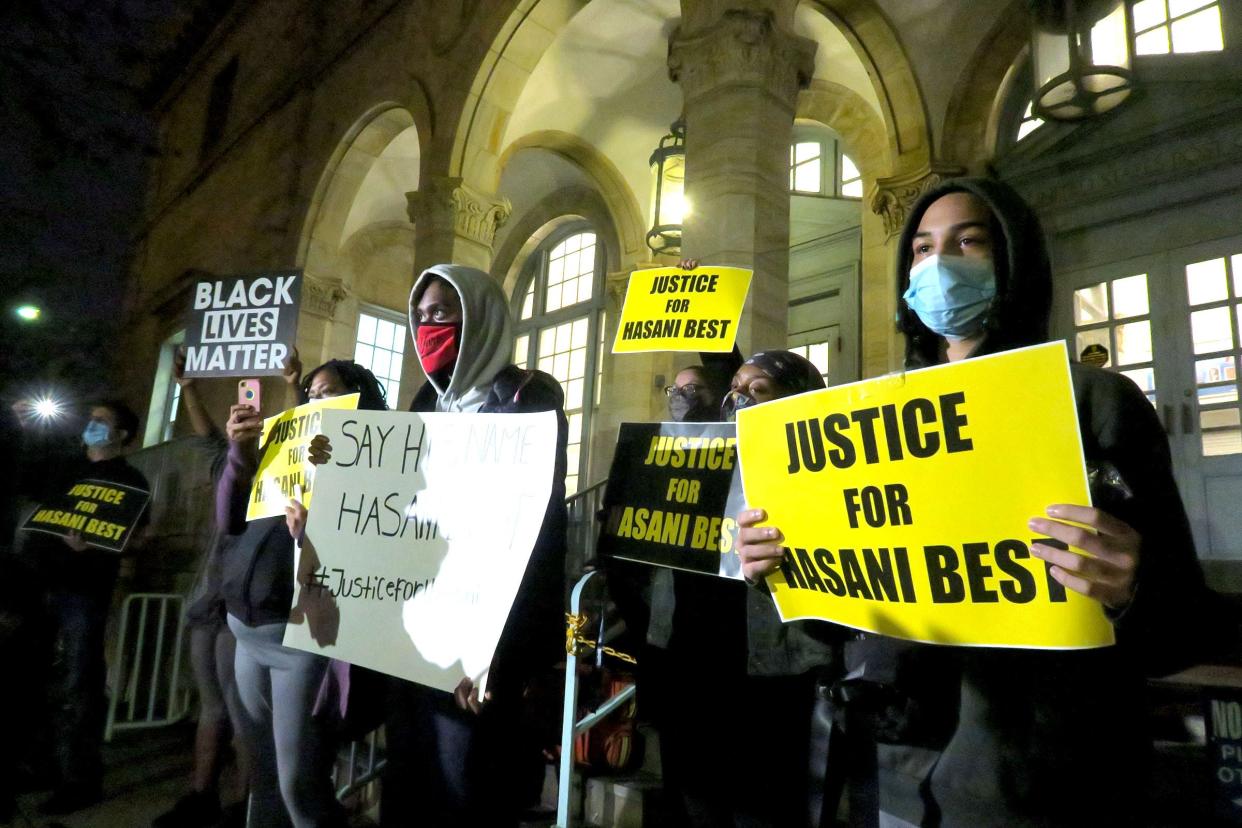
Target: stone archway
{"x": 627, "y": 217}
{"x": 970, "y": 121}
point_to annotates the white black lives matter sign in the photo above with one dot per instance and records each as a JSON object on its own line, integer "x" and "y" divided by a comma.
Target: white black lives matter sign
{"x": 242, "y": 326}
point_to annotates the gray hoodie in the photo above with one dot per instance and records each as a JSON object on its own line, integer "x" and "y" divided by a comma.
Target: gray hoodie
{"x": 486, "y": 342}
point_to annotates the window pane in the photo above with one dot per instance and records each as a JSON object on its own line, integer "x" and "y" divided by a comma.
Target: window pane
{"x": 398, "y": 343}
{"x": 577, "y": 363}
{"x": 1091, "y": 304}
{"x": 1219, "y": 418}
{"x": 1179, "y": 7}
{"x": 1218, "y": 394}
{"x": 364, "y": 354}
{"x": 1216, "y": 443}
{"x": 1217, "y": 369}
{"x": 1155, "y": 42}
{"x": 366, "y": 328}
{"x": 560, "y": 367}
{"x": 579, "y": 333}
{"x": 805, "y": 151}
{"x": 1028, "y": 126}
{"x": 818, "y": 355}
{"x": 1096, "y": 336}
{"x": 521, "y": 350}
{"x": 573, "y": 394}
{"x": 1144, "y": 378}
{"x": 379, "y": 363}
{"x": 1235, "y": 264}
{"x": 1130, "y": 297}
{"x": 392, "y": 389}
{"x": 848, "y": 170}
{"x": 807, "y": 177}
{"x": 1205, "y": 282}
{"x": 1198, "y": 33}
{"x": 574, "y": 434}
{"x": 547, "y": 341}
{"x": 854, "y": 189}
{"x": 528, "y": 303}
{"x": 1211, "y": 331}
{"x": 1108, "y": 40}
{"x": 569, "y": 293}
{"x": 1133, "y": 343}
{"x": 1148, "y": 13}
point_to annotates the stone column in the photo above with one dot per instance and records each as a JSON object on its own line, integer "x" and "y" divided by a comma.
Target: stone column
{"x": 740, "y": 68}
{"x": 454, "y": 223}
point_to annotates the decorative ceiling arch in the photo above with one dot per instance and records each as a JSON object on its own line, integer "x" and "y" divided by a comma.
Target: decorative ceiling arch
{"x": 346, "y": 169}
{"x": 907, "y": 132}
{"x": 845, "y": 111}
{"x": 970, "y": 122}
{"x": 615, "y": 191}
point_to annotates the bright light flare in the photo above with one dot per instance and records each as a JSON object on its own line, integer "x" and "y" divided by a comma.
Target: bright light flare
{"x": 46, "y": 408}
{"x": 29, "y": 313}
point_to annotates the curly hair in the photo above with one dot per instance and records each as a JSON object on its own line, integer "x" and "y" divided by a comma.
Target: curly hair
{"x": 356, "y": 379}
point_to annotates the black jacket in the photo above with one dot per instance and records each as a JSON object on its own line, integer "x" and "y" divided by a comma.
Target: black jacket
{"x": 991, "y": 736}
{"x": 534, "y": 635}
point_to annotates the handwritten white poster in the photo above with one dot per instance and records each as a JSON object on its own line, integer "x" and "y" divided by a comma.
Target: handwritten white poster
{"x": 418, "y": 539}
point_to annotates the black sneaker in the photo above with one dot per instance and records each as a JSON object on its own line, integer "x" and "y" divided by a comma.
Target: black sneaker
{"x": 71, "y": 798}
{"x": 194, "y": 810}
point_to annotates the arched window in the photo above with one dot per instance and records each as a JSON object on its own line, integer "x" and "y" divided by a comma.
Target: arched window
{"x": 560, "y": 322}
{"x": 818, "y": 165}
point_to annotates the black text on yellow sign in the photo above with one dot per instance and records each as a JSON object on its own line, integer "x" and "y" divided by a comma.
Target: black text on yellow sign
{"x": 672, "y": 496}
{"x": 103, "y": 513}
{"x": 284, "y": 468}
{"x": 904, "y": 501}
{"x": 667, "y": 309}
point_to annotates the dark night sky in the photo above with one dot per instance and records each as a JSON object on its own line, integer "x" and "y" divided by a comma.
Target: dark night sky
{"x": 75, "y": 144}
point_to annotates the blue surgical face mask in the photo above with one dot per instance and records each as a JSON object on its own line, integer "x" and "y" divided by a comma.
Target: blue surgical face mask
{"x": 96, "y": 434}
{"x": 734, "y": 402}
{"x": 952, "y": 294}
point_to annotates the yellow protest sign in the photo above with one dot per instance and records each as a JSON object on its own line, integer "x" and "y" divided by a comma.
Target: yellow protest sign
{"x": 669, "y": 309}
{"x": 904, "y": 501}
{"x": 284, "y": 466}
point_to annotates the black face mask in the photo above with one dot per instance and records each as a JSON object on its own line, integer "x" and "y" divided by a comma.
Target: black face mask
{"x": 733, "y": 403}
{"x": 690, "y": 409}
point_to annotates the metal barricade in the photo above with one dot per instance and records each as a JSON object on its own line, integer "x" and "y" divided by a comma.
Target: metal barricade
{"x": 360, "y": 771}
{"x": 582, "y": 529}
{"x": 148, "y": 666}
{"x": 571, "y": 726}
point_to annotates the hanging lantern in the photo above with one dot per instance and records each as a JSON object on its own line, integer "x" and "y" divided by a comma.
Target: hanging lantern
{"x": 668, "y": 192}
{"x": 1080, "y": 52}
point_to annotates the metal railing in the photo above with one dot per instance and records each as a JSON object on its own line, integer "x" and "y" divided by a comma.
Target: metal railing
{"x": 571, "y": 725}
{"x": 583, "y": 528}
{"x": 149, "y": 666}
{"x": 358, "y": 774}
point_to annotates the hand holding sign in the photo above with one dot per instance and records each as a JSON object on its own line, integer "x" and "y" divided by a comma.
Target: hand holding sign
{"x": 1108, "y": 575}
{"x": 759, "y": 547}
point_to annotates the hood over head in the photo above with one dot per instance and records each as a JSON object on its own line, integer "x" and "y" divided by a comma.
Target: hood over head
{"x": 1019, "y": 313}
{"x": 486, "y": 342}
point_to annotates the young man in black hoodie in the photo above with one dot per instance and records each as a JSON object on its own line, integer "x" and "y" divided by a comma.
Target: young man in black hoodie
{"x": 458, "y": 759}
{"x": 983, "y": 736}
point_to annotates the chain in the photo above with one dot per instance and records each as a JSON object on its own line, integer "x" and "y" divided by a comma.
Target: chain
{"x": 577, "y": 644}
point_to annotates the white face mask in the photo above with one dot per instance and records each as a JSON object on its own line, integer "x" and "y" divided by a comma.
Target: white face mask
{"x": 952, "y": 294}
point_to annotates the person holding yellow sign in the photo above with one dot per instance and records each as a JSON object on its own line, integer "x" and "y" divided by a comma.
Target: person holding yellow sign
{"x": 292, "y": 751}
{"x": 992, "y": 736}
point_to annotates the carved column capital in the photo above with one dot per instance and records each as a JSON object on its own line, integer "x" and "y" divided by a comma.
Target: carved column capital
{"x": 446, "y": 204}
{"x": 320, "y": 295}
{"x": 743, "y": 47}
{"x": 895, "y": 196}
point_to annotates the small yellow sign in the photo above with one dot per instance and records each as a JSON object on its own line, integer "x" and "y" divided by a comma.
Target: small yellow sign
{"x": 669, "y": 309}
{"x": 284, "y": 466}
{"x": 904, "y": 501}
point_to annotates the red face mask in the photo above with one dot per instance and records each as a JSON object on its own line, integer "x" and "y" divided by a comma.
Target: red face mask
{"x": 437, "y": 346}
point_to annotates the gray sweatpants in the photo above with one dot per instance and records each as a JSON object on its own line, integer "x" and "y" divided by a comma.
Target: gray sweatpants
{"x": 291, "y": 783}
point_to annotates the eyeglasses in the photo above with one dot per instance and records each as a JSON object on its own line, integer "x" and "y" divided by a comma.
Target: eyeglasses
{"x": 690, "y": 389}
